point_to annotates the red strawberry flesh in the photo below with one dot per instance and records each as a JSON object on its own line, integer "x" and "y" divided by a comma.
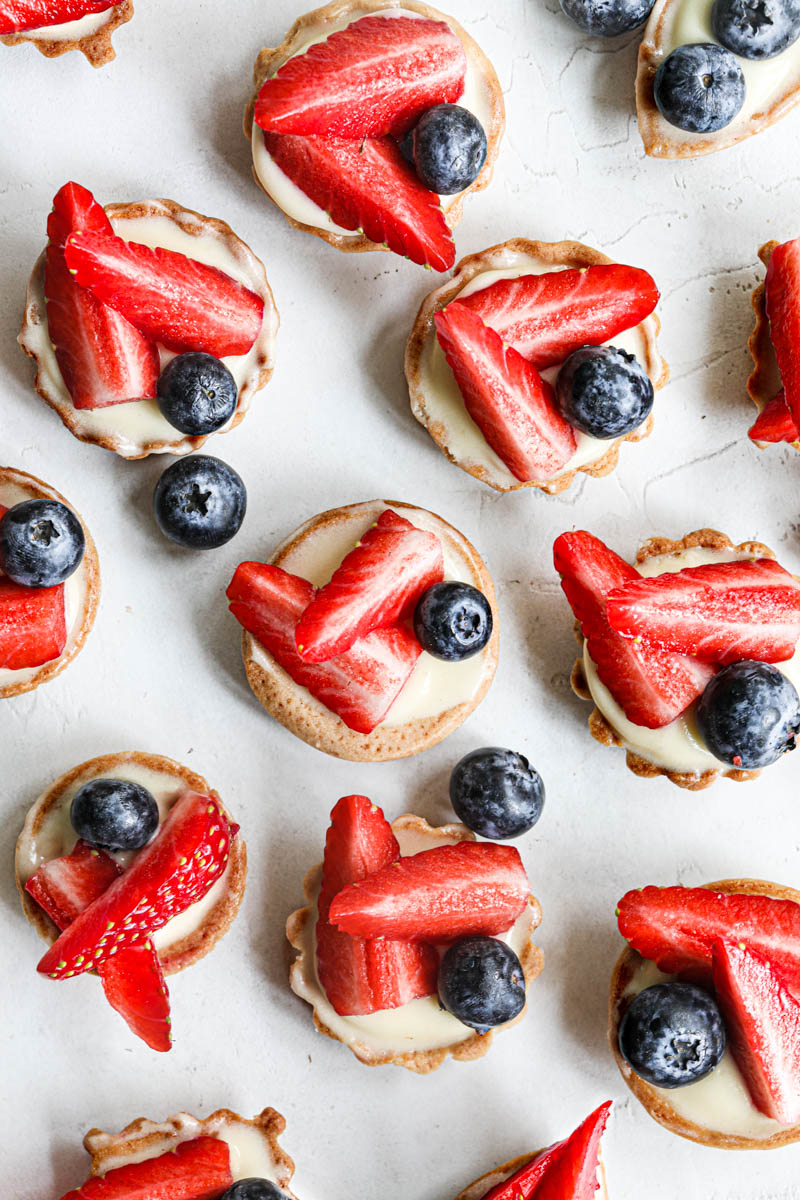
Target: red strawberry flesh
{"x": 65, "y": 886}
{"x": 33, "y": 625}
{"x": 134, "y": 985}
{"x": 775, "y": 423}
{"x": 199, "y": 1169}
{"x": 782, "y": 298}
{"x": 16, "y": 16}
{"x": 573, "y": 1171}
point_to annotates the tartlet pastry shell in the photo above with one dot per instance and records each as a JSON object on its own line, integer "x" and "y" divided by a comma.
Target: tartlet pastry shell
{"x": 290, "y": 705}
{"x": 196, "y": 225}
{"x": 657, "y": 1105}
{"x": 765, "y": 379}
{"x": 95, "y": 47}
{"x": 552, "y": 255}
{"x": 90, "y": 564}
{"x": 420, "y": 1061}
{"x": 479, "y": 1187}
{"x": 216, "y": 923}
{"x": 270, "y": 60}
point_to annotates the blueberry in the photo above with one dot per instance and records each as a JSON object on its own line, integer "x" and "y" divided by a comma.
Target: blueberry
{"x": 672, "y": 1034}
{"x": 749, "y": 715}
{"x": 114, "y": 814}
{"x": 603, "y": 391}
{"x": 254, "y": 1189}
{"x": 41, "y": 543}
{"x": 199, "y": 502}
{"x": 453, "y": 620}
{"x": 496, "y": 793}
{"x": 607, "y": 18}
{"x": 481, "y": 982}
{"x": 447, "y": 147}
{"x": 197, "y": 393}
{"x": 699, "y": 87}
{"x": 756, "y": 28}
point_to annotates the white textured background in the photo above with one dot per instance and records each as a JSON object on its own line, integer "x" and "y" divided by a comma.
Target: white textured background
{"x": 162, "y": 672}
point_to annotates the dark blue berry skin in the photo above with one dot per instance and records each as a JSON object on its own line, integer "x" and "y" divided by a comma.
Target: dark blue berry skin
{"x": 114, "y": 814}
{"x": 603, "y": 391}
{"x": 453, "y": 621}
{"x": 254, "y": 1189}
{"x": 496, "y": 793}
{"x": 197, "y": 393}
{"x": 607, "y": 18}
{"x": 699, "y": 87}
{"x": 481, "y": 982}
{"x": 756, "y": 29}
{"x": 199, "y": 502}
{"x": 672, "y": 1034}
{"x": 749, "y": 715}
{"x": 41, "y": 543}
{"x": 447, "y": 147}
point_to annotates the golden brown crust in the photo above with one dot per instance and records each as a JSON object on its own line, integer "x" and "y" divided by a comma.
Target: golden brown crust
{"x": 90, "y": 565}
{"x": 95, "y": 47}
{"x": 270, "y": 60}
{"x": 765, "y": 379}
{"x": 195, "y": 225}
{"x": 215, "y": 924}
{"x": 552, "y": 255}
{"x": 656, "y": 1104}
{"x": 420, "y": 1061}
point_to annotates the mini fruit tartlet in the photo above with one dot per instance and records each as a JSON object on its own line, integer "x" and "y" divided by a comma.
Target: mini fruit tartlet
{"x": 511, "y": 369}
{"x": 131, "y": 868}
{"x": 774, "y": 383}
{"x": 49, "y": 582}
{"x": 690, "y": 656}
{"x": 371, "y": 123}
{"x": 57, "y": 26}
{"x": 222, "y": 1157}
{"x": 416, "y": 942}
{"x": 151, "y": 326}
{"x": 568, "y": 1170}
{"x": 705, "y": 1010}
{"x": 372, "y": 632}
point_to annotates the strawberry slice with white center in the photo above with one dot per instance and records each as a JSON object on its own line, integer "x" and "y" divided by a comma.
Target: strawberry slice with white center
{"x": 438, "y": 895}
{"x": 368, "y": 185}
{"x": 652, "y": 686}
{"x": 377, "y": 583}
{"x": 374, "y": 77}
{"x": 545, "y": 317}
{"x": 775, "y": 423}
{"x": 184, "y": 304}
{"x": 720, "y": 612}
{"x": 182, "y": 863}
{"x": 33, "y": 625}
{"x": 508, "y": 400}
{"x": 361, "y": 685}
{"x": 16, "y": 16}
{"x": 762, "y": 1020}
{"x": 360, "y": 976}
{"x": 565, "y": 1171}
{"x": 199, "y": 1169}
{"x": 65, "y": 886}
{"x": 102, "y": 358}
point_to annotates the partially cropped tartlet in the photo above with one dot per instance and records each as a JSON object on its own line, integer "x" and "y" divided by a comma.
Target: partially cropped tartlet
{"x": 55, "y": 27}
{"x": 690, "y": 656}
{"x": 130, "y": 867}
{"x": 416, "y": 942}
{"x": 774, "y": 383}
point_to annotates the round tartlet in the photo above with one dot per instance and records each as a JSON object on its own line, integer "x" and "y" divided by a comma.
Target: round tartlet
{"x": 91, "y": 35}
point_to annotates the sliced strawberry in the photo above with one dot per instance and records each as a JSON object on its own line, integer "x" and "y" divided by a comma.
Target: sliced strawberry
{"x": 368, "y": 185}
{"x": 187, "y": 856}
{"x": 375, "y": 76}
{"x": 720, "y": 612}
{"x": 438, "y": 895}
{"x": 103, "y": 360}
{"x": 782, "y": 297}
{"x": 546, "y": 317}
{"x": 65, "y": 886}
{"x": 361, "y": 685}
{"x": 775, "y": 423}
{"x": 676, "y": 927}
{"x": 199, "y": 1169}
{"x": 376, "y": 584}
{"x": 175, "y": 300}
{"x": 652, "y": 686}
{"x": 360, "y": 976}
{"x": 16, "y": 16}
{"x": 762, "y": 1020}
{"x": 508, "y": 400}
{"x": 565, "y": 1171}
{"x": 134, "y": 985}
{"x": 33, "y": 625}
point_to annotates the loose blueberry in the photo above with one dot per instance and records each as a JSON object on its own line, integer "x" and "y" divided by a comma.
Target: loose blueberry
{"x": 603, "y": 391}
{"x": 199, "y": 502}
{"x": 481, "y": 981}
{"x": 672, "y": 1034}
{"x": 699, "y": 87}
{"x": 254, "y": 1189}
{"x": 756, "y": 28}
{"x": 496, "y": 793}
{"x": 453, "y": 621}
{"x": 607, "y": 18}
{"x": 41, "y": 543}
{"x": 749, "y": 715}
{"x": 447, "y": 147}
{"x": 114, "y": 814}
{"x": 197, "y": 393}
